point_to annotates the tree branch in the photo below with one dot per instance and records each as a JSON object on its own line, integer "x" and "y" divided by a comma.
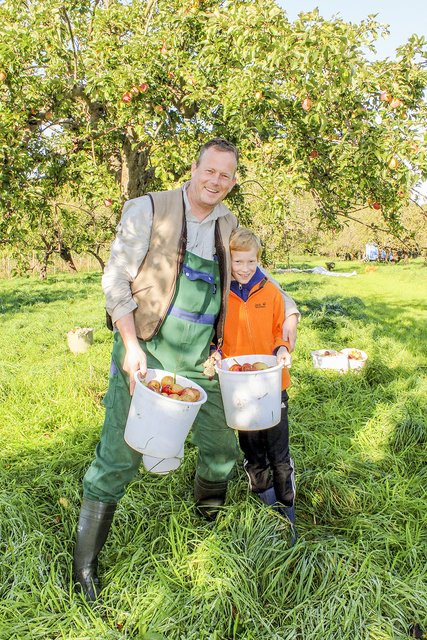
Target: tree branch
{"x": 70, "y": 28}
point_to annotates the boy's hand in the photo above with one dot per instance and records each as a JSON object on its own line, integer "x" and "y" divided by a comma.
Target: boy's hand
{"x": 289, "y": 330}
{"x": 209, "y": 364}
{"x": 284, "y": 357}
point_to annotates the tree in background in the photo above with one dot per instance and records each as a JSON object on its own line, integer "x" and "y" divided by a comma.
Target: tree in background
{"x": 102, "y": 100}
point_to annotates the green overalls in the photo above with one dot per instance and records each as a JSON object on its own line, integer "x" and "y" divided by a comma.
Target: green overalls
{"x": 181, "y": 345}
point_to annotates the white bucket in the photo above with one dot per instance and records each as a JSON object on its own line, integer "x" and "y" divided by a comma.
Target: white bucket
{"x": 163, "y": 466}
{"x": 252, "y": 399}
{"x": 352, "y": 362}
{"x": 330, "y": 359}
{"x": 156, "y": 425}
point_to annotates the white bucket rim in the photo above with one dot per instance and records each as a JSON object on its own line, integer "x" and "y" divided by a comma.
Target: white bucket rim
{"x": 243, "y": 359}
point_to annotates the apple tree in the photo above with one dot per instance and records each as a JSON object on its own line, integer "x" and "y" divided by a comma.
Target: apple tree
{"x": 102, "y": 100}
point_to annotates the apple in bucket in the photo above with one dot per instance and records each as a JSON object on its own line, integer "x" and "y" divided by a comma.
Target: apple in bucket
{"x": 170, "y": 389}
{"x": 247, "y": 366}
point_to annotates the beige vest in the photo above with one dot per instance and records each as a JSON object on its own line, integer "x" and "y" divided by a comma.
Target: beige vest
{"x": 154, "y": 286}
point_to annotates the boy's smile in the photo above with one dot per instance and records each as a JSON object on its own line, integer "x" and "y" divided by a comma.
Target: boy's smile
{"x": 243, "y": 265}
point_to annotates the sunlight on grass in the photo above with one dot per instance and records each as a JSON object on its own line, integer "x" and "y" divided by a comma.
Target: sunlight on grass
{"x": 359, "y": 442}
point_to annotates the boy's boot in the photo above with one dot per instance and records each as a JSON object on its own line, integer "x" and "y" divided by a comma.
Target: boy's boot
{"x": 94, "y": 524}
{"x": 289, "y": 513}
{"x": 268, "y": 496}
{"x": 209, "y": 496}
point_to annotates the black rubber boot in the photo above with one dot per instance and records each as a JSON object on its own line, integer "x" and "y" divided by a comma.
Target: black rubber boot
{"x": 94, "y": 524}
{"x": 209, "y": 496}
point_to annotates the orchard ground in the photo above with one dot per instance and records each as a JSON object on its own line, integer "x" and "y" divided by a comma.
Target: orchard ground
{"x": 359, "y": 569}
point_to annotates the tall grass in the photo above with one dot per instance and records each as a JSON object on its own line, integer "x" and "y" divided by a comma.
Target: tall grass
{"x": 358, "y": 570}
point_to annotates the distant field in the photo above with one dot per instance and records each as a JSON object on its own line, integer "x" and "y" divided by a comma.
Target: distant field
{"x": 359, "y": 442}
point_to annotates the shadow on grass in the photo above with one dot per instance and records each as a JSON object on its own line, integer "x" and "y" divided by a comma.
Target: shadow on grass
{"x": 19, "y": 295}
{"x": 329, "y": 313}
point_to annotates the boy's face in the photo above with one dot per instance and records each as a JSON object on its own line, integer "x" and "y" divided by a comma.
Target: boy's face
{"x": 243, "y": 265}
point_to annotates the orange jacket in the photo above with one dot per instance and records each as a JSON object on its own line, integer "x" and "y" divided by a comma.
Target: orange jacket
{"x": 255, "y": 326}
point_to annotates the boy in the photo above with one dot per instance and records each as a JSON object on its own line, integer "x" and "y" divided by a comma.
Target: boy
{"x": 256, "y": 311}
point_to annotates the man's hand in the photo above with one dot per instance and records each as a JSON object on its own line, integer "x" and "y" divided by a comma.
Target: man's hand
{"x": 135, "y": 358}
{"x": 289, "y": 330}
{"x": 284, "y": 357}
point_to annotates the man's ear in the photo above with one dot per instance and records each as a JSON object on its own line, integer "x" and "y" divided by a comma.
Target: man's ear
{"x": 193, "y": 167}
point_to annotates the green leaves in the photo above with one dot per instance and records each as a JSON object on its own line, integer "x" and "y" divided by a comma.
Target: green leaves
{"x": 238, "y": 69}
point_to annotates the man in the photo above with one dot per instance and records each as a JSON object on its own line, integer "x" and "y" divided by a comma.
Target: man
{"x": 166, "y": 286}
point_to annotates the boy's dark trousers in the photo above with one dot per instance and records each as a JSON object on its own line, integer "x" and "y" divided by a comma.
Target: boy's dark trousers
{"x": 267, "y": 459}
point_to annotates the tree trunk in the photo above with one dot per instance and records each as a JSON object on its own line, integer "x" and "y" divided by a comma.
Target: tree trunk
{"x": 136, "y": 176}
{"x": 98, "y": 258}
{"x": 65, "y": 254}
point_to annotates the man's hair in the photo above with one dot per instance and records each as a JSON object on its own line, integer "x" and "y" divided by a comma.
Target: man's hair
{"x": 222, "y": 145}
{"x": 242, "y": 239}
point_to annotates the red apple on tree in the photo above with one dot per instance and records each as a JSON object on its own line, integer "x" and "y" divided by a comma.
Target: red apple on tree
{"x": 307, "y": 103}
{"x": 314, "y": 154}
{"x": 3, "y": 75}
{"x": 127, "y": 96}
{"x": 143, "y": 87}
{"x": 395, "y": 103}
{"x": 108, "y": 202}
{"x": 376, "y": 205}
{"x": 385, "y": 96}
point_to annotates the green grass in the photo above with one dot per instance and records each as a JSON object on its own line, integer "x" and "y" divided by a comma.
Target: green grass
{"x": 359, "y": 570}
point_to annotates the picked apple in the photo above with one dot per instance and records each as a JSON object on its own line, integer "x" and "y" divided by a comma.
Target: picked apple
{"x": 154, "y": 385}
{"x": 166, "y": 380}
{"x": 355, "y": 354}
{"x": 235, "y": 367}
{"x": 259, "y": 366}
{"x": 190, "y": 394}
{"x": 247, "y": 366}
{"x": 167, "y": 388}
{"x": 177, "y": 388}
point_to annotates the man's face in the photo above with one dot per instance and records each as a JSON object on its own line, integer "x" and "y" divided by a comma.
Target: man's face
{"x": 211, "y": 179}
{"x": 243, "y": 265}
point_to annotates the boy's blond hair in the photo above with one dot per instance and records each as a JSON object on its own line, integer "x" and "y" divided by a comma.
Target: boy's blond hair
{"x": 242, "y": 239}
